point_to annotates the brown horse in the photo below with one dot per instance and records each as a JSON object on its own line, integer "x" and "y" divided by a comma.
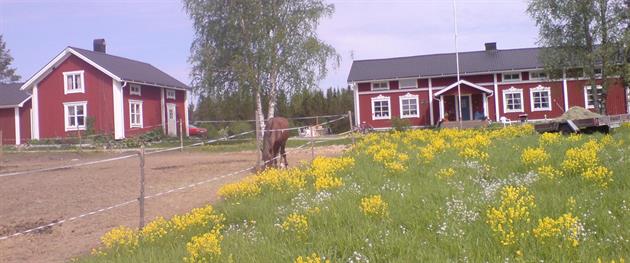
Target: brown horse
{"x": 274, "y": 141}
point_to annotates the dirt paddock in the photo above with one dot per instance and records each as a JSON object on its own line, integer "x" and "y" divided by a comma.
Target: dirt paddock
{"x": 31, "y": 200}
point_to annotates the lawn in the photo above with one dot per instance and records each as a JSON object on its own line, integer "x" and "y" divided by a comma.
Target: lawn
{"x": 417, "y": 196}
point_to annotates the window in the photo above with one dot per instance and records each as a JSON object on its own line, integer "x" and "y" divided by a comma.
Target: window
{"x": 135, "y": 114}
{"x": 134, "y": 89}
{"x": 537, "y": 75}
{"x": 73, "y": 82}
{"x": 513, "y": 76}
{"x": 407, "y": 83}
{"x": 383, "y": 85}
{"x": 589, "y": 98}
{"x": 75, "y": 114}
{"x": 409, "y": 107}
{"x": 170, "y": 94}
{"x": 513, "y": 100}
{"x": 541, "y": 98}
{"x": 380, "y": 108}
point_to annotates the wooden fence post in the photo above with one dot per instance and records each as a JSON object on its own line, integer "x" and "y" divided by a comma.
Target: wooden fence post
{"x": 258, "y": 140}
{"x": 351, "y": 126}
{"x": 1, "y": 148}
{"x": 141, "y": 198}
{"x": 181, "y": 136}
{"x": 312, "y": 143}
{"x": 80, "y": 140}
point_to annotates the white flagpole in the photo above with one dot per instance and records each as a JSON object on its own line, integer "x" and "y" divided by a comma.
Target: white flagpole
{"x": 459, "y": 90}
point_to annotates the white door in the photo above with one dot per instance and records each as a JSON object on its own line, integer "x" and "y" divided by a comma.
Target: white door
{"x": 171, "y": 119}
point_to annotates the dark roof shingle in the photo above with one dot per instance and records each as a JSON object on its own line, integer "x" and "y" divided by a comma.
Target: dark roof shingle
{"x": 131, "y": 70}
{"x": 11, "y": 95}
{"x": 444, "y": 64}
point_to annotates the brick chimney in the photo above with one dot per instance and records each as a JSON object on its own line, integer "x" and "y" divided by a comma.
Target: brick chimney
{"x": 99, "y": 45}
{"x": 491, "y": 46}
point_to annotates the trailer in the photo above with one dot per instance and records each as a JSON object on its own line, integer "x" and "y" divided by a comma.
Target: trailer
{"x": 587, "y": 125}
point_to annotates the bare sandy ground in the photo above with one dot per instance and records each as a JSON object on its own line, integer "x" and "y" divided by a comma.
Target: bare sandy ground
{"x": 27, "y": 201}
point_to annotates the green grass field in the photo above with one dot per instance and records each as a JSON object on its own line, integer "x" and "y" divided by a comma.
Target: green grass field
{"x": 419, "y": 196}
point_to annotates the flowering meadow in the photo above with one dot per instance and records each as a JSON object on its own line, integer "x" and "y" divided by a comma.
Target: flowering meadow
{"x": 497, "y": 195}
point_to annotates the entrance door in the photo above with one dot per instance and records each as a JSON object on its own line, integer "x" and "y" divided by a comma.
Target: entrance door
{"x": 466, "y": 108}
{"x": 171, "y": 116}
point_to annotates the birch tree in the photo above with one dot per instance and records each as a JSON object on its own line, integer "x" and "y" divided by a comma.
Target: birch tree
{"x": 258, "y": 47}
{"x": 584, "y": 34}
{"x": 7, "y": 73}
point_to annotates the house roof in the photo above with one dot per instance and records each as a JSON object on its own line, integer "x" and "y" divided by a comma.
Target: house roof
{"x": 118, "y": 68}
{"x": 12, "y": 96}
{"x": 463, "y": 82}
{"x": 131, "y": 70}
{"x": 444, "y": 64}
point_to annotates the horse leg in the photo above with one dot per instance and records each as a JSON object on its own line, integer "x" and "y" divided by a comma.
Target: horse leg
{"x": 284, "y": 155}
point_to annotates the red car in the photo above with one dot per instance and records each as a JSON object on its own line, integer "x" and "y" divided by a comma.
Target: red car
{"x": 196, "y": 131}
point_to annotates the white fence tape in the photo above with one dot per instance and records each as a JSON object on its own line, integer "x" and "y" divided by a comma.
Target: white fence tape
{"x": 94, "y": 212}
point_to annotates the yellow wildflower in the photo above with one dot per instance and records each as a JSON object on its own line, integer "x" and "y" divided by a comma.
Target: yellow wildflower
{"x": 374, "y": 206}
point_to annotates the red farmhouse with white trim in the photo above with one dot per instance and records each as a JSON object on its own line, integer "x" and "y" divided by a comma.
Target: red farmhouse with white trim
{"x": 494, "y": 84}
{"x": 118, "y": 96}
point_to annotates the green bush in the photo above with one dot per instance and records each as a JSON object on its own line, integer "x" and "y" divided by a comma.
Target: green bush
{"x": 400, "y": 124}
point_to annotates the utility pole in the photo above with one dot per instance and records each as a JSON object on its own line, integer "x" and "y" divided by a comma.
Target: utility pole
{"x": 141, "y": 198}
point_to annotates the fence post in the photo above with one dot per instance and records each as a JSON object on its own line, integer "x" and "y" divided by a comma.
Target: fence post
{"x": 351, "y": 126}
{"x": 312, "y": 143}
{"x": 258, "y": 140}
{"x": 1, "y": 148}
{"x": 80, "y": 140}
{"x": 141, "y": 198}
{"x": 181, "y": 136}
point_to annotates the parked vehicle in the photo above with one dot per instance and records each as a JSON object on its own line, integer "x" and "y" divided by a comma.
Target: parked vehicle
{"x": 196, "y": 131}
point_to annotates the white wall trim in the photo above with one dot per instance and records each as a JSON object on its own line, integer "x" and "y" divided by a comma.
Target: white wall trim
{"x": 163, "y": 110}
{"x": 186, "y": 114}
{"x": 496, "y": 97}
{"x": 432, "y": 118}
{"x": 513, "y": 90}
{"x": 357, "y": 106}
{"x": 119, "y": 110}
{"x": 441, "y": 107}
{"x": 382, "y": 98}
{"x": 485, "y": 106}
{"x": 35, "y": 113}
{"x": 565, "y": 90}
{"x": 409, "y": 96}
{"x": 17, "y": 126}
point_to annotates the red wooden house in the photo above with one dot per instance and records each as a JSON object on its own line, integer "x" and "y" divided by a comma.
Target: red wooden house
{"x": 494, "y": 84}
{"x": 115, "y": 95}
{"x": 15, "y": 109}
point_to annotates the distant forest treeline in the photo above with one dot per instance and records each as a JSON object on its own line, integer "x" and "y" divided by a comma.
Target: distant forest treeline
{"x": 302, "y": 103}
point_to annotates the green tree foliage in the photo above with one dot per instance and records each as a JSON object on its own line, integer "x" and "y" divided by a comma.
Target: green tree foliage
{"x": 7, "y": 73}
{"x": 302, "y": 103}
{"x": 581, "y": 34}
{"x": 257, "y": 47}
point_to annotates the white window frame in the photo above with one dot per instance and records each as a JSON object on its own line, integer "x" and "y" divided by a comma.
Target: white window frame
{"x": 380, "y": 88}
{"x": 65, "y": 82}
{"x": 540, "y": 89}
{"x": 170, "y": 94}
{"x": 520, "y": 77}
{"x": 381, "y": 98}
{"x": 66, "y": 123}
{"x": 137, "y": 91}
{"x": 586, "y": 89}
{"x": 415, "y": 84}
{"x": 139, "y": 121}
{"x": 409, "y": 96}
{"x": 532, "y": 77}
{"x": 512, "y": 90}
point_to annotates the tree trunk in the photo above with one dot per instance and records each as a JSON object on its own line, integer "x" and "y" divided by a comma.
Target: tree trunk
{"x": 261, "y": 121}
{"x": 273, "y": 94}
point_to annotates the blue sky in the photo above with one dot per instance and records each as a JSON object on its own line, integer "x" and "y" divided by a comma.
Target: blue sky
{"x": 159, "y": 31}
